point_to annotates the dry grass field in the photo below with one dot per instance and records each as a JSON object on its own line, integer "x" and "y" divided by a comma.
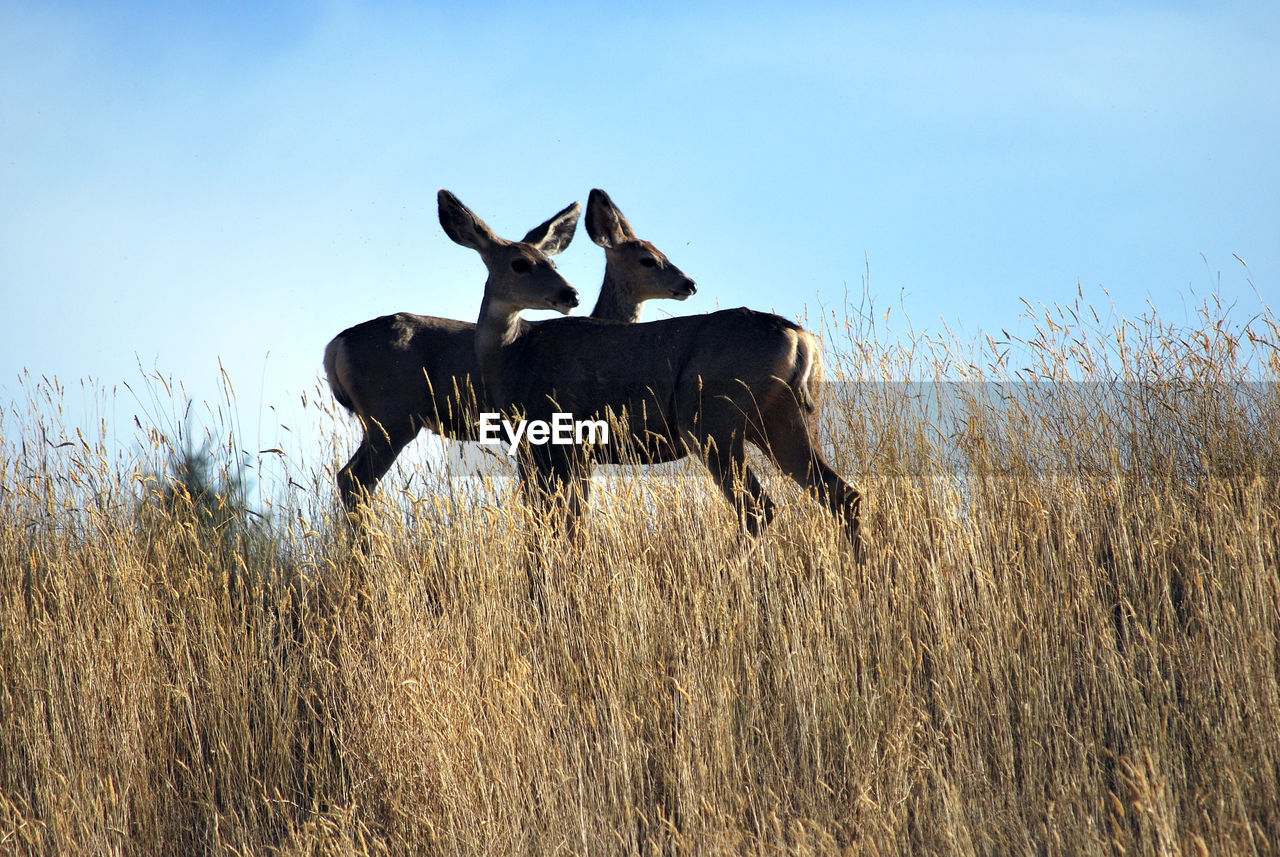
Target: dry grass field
{"x": 1065, "y": 638}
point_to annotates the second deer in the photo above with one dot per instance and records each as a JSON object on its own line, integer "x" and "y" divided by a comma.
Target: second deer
{"x": 696, "y": 385}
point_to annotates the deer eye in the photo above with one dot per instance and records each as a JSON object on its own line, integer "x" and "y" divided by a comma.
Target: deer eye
{"x": 521, "y": 266}
{"x": 648, "y": 262}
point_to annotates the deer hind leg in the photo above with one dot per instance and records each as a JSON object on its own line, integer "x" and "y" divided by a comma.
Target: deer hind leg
{"x": 371, "y": 461}
{"x": 727, "y": 461}
{"x": 790, "y": 444}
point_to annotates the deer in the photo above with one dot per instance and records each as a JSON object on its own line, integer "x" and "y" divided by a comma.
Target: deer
{"x": 701, "y": 385}
{"x": 402, "y": 373}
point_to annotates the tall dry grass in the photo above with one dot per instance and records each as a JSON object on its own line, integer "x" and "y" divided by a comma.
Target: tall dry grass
{"x": 1064, "y": 639}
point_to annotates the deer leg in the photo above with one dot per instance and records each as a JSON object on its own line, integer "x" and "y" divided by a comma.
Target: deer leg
{"x": 578, "y": 494}
{"x": 728, "y": 465}
{"x": 371, "y": 461}
{"x": 556, "y": 492}
{"x": 538, "y": 497}
{"x": 789, "y": 445}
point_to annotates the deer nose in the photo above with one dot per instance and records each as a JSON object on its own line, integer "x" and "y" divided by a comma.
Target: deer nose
{"x": 570, "y": 298}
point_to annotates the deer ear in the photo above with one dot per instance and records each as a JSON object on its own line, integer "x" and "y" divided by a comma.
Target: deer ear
{"x": 554, "y": 235}
{"x": 605, "y": 224}
{"x": 462, "y": 225}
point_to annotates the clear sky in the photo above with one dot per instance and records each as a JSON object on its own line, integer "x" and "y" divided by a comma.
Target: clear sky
{"x": 188, "y": 183}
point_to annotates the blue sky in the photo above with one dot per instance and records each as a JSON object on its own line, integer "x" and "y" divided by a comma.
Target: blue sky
{"x": 187, "y": 186}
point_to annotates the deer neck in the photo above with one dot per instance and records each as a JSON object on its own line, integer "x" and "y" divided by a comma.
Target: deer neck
{"x": 611, "y": 304}
{"x": 498, "y": 327}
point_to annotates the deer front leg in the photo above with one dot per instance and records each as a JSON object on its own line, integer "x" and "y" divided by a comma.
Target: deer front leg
{"x": 727, "y": 461}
